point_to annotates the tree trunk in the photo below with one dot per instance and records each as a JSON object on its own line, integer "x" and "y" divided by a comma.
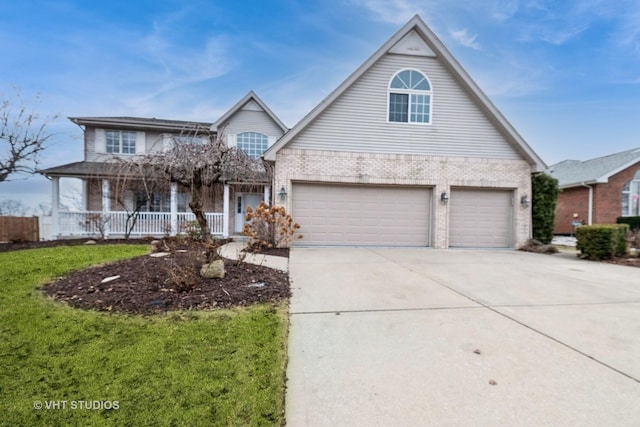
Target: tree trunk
{"x": 198, "y": 211}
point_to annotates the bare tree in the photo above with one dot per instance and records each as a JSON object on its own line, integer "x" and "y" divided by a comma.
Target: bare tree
{"x": 12, "y": 208}
{"x": 23, "y": 137}
{"x": 197, "y": 161}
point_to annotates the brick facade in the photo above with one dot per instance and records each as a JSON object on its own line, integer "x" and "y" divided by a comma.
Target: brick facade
{"x": 607, "y": 201}
{"x": 439, "y": 172}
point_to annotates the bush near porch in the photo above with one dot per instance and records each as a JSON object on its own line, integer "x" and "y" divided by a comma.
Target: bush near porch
{"x": 221, "y": 367}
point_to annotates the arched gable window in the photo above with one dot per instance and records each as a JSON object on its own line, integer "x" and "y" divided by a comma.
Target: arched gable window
{"x": 253, "y": 143}
{"x": 410, "y": 97}
{"x": 631, "y": 196}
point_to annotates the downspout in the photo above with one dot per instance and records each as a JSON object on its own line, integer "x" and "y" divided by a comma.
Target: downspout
{"x": 590, "y": 212}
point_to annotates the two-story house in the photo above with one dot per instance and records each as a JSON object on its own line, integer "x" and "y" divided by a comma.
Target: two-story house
{"x": 111, "y": 203}
{"x": 407, "y": 151}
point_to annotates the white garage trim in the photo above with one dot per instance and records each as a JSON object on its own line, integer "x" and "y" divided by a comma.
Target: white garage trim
{"x": 360, "y": 215}
{"x": 480, "y": 218}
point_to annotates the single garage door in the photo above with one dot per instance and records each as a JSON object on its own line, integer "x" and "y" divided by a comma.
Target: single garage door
{"x": 331, "y": 214}
{"x": 480, "y": 218}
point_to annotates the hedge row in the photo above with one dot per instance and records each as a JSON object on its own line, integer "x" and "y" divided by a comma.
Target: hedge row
{"x": 602, "y": 241}
{"x": 633, "y": 221}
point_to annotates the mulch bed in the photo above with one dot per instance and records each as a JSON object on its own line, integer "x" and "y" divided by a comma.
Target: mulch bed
{"x": 149, "y": 285}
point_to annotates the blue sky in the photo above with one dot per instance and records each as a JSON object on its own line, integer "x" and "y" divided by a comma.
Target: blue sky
{"x": 565, "y": 73}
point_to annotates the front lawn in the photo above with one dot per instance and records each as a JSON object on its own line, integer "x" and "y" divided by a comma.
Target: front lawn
{"x": 192, "y": 368}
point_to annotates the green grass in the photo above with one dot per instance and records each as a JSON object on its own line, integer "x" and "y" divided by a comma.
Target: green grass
{"x": 188, "y": 368}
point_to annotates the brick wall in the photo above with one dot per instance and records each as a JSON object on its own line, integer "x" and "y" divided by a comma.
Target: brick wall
{"x": 438, "y": 172}
{"x": 608, "y": 197}
{"x": 571, "y": 201}
{"x": 607, "y": 202}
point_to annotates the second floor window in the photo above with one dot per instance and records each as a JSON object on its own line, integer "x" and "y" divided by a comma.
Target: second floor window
{"x": 253, "y": 143}
{"x": 410, "y": 98}
{"x": 120, "y": 142}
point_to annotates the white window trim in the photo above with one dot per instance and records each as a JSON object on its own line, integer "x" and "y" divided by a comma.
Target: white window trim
{"x": 410, "y": 92}
{"x": 634, "y": 184}
{"x": 101, "y": 142}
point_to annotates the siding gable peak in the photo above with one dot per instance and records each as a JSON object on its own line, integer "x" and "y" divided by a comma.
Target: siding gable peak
{"x": 412, "y": 44}
{"x": 415, "y": 39}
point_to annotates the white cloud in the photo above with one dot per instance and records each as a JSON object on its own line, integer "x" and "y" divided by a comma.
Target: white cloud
{"x": 464, "y": 38}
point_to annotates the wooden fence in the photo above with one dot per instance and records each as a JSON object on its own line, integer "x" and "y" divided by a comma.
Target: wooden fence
{"x": 19, "y": 229}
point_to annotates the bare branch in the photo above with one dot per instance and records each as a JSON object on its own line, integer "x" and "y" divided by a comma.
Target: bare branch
{"x": 23, "y": 137}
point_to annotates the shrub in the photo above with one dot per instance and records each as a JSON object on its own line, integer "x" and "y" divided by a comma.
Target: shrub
{"x": 603, "y": 241}
{"x": 269, "y": 227}
{"x": 538, "y": 247}
{"x": 544, "y": 191}
{"x": 633, "y": 221}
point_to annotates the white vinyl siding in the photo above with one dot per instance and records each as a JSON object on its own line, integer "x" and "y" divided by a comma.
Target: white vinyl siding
{"x": 340, "y": 214}
{"x": 358, "y": 120}
{"x": 251, "y": 121}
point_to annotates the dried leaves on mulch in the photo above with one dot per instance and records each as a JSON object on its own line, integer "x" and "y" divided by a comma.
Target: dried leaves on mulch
{"x": 148, "y": 285}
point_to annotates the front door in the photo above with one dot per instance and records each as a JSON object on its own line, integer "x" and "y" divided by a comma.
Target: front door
{"x": 243, "y": 201}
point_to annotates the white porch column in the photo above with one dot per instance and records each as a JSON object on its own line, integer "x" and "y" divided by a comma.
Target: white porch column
{"x": 55, "y": 207}
{"x": 85, "y": 195}
{"x": 267, "y": 194}
{"x": 174, "y": 208}
{"x": 225, "y": 211}
{"x": 106, "y": 206}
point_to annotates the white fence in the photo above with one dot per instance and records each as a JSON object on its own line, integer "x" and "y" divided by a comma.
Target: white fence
{"x": 98, "y": 223}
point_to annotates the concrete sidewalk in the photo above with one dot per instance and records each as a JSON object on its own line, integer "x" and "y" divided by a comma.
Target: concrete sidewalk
{"x": 408, "y": 337}
{"x": 233, "y": 250}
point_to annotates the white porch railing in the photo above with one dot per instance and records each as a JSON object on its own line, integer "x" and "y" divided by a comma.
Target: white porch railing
{"x": 98, "y": 223}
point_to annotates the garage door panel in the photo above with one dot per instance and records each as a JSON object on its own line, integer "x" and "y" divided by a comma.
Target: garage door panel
{"x": 480, "y": 218}
{"x": 362, "y": 214}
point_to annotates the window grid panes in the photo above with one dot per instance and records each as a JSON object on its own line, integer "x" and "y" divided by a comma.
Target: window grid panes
{"x": 252, "y": 143}
{"x": 410, "y": 98}
{"x": 120, "y": 142}
{"x": 420, "y": 108}
{"x": 398, "y": 107}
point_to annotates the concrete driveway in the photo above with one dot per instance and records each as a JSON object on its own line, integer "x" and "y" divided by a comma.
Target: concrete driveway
{"x": 416, "y": 337}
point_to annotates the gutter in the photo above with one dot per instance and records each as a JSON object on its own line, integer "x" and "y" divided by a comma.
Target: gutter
{"x": 590, "y": 209}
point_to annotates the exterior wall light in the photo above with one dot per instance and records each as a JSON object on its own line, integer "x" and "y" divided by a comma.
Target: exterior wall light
{"x": 444, "y": 198}
{"x": 283, "y": 194}
{"x": 524, "y": 201}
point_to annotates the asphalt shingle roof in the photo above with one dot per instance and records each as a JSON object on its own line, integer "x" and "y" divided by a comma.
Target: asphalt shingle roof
{"x": 574, "y": 172}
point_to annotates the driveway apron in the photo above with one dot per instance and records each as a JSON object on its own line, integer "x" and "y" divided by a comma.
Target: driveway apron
{"x": 415, "y": 337}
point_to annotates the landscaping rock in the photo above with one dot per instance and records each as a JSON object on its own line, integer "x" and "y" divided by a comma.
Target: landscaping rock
{"x": 213, "y": 270}
{"x": 159, "y": 254}
{"x": 90, "y": 242}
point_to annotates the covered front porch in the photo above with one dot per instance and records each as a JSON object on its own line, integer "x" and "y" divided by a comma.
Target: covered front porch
{"x": 102, "y": 216}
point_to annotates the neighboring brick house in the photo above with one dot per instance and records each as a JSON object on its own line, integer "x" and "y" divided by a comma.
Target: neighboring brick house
{"x": 407, "y": 151}
{"x": 597, "y": 191}
{"x": 249, "y": 125}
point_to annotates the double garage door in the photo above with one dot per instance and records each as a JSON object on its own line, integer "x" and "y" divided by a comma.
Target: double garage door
{"x": 332, "y": 214}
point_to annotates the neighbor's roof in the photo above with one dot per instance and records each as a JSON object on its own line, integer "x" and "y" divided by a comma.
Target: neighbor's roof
{"x": 248, "y": 97}
{"x": 140, "y": 123}
{"x": 420, "y": 27}
{"x": 572, "y": 173}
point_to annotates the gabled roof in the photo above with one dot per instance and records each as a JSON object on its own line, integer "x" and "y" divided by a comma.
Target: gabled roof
{"x": 573, "y": 173}
{"x": 422, "y": 30}
{"x": 251, "y": 96}
{"x": 140, "y": 123}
